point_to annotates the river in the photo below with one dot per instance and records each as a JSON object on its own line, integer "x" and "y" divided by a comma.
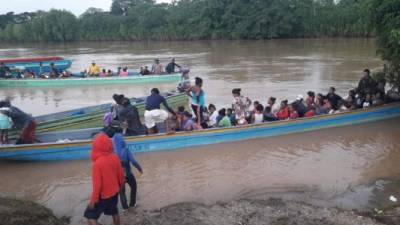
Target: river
{"x": 324, "y": 163}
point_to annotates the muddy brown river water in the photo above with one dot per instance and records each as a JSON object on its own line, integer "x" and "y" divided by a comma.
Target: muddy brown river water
{"x": 322, "y": 164}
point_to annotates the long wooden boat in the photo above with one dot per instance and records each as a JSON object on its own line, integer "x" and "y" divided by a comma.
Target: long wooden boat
{"x": 75, "y": 81}
{"x": 37, "y": 65}
{"x": 90, "y": 117}
{"x": 79, "y": 149}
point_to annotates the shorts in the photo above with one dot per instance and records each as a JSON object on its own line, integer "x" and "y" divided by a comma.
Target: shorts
{"x": 154, "y": 116}
{"x": 107, "y": 206}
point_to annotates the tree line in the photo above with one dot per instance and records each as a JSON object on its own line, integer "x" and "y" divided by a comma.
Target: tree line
{"x": 193, "y": 20}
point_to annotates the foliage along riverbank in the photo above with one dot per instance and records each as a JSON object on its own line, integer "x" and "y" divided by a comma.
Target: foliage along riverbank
{"x": 193, "y": 20}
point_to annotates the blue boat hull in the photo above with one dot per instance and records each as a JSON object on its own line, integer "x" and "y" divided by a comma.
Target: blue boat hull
{"x": 142, "y": 144}
{"x": 35, "y": 66}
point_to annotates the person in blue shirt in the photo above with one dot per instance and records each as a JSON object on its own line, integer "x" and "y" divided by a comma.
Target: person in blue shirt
{"x": 126, "y": 158}
{"x": 153, "y": 114}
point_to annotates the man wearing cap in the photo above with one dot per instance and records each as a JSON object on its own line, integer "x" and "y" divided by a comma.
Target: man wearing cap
{"x": 94, "y": 70}
{"x": 299, "y": 105}
{"x": 157, "y": 67}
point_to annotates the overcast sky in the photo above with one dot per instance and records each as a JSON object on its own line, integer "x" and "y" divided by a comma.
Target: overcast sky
{"x": 75, "y": 6}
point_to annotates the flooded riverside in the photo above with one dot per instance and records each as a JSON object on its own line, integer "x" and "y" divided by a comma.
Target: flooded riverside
{"x": 320, "y": 166}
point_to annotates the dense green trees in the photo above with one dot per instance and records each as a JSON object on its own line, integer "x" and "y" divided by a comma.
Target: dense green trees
{"x": 385, "y": 16}
{"x": 194, "y": 19}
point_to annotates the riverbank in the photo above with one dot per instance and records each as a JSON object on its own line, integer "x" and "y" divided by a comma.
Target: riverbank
{"x": 18, "y": 212}
{"x": 252, "y": 211}
{"x": 365, "y": 204}
{"x": 257, "y": 212}
{"x": 246, "y": 211}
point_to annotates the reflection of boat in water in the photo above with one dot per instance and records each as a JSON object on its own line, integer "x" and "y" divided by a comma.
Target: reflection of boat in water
{"x": 79, "y": 143}
{"x": 92, "y": 116}
{"x": 37, "y": 65}
{"x": 133, "y": 78}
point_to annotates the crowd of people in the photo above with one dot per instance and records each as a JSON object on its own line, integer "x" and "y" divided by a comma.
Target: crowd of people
{"x": 112, "y": 159}
{"x": 94, "y": 70}
{"x": 243, "y": 110}
{"x": 156, "y": 69}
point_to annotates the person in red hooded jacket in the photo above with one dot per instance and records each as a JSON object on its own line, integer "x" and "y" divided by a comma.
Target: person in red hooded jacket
{"x": 107, "y": 178}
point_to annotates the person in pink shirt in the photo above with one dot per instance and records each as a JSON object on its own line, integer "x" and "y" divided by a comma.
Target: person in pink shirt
{"x": 103, "y": 73}
{"x": 293, "y": 112}
{"x": 124, "y": 72}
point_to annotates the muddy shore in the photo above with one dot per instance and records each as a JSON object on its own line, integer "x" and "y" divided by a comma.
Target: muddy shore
{"x": 19, "y": 212}
{"x": 257, "y": 212}
{"x": 271, "y": 211}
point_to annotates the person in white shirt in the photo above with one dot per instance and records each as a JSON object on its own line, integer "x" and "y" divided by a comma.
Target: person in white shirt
{"x": 213, "y": 115}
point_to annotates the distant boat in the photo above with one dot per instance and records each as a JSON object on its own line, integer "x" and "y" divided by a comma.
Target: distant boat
{"x": 33, "y": 64}
{"x": 133, "y": 78}
{"x": 58, "y": 148}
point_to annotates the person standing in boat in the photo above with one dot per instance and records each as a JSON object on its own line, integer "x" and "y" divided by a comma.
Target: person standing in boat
{"x": 23, "y": 122}
{"x": 154, "y": 114}
{"x": 157, "y": 67}
{"x": 171, "y": 66}
{"x": 126, "y": 158}
{"x": 94, "y": 70}
{"x": 117, "y": 106}
{"x": 196, "y": 93}
{"x": 241, "y": 105}
{"x": 5, "y": 123}
{"x": 130, "y": 119}
{"x": 367, "y": 84}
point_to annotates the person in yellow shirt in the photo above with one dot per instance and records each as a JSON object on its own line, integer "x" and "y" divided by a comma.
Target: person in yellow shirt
{"x": 94, "y": 70}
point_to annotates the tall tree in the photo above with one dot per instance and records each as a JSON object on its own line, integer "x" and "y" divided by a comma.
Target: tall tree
{"x": 385, "y": 15}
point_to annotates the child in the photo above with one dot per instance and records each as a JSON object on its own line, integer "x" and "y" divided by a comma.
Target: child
{"x": 187, "y": 122}
{"x": 107, "y": 178}
{"x": 258, "y": 116}
{"x": 293, "y": 112}
{"x": 231, "y": 115}
{"x": 224, "y": 121}
{"x": 213, "y": 115}
{"x": 5, "y": 124}
{"x": 103, "y": 73}
{"x": 367, "y": 101}
{"x": 255, "y": 104}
